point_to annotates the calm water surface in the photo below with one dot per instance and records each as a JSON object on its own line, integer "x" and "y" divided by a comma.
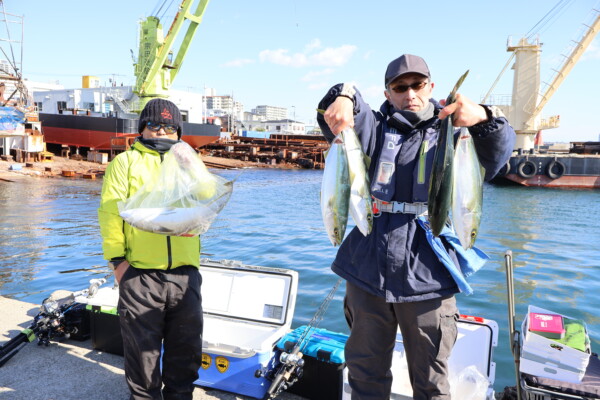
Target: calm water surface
{"x": 50, "y": 240}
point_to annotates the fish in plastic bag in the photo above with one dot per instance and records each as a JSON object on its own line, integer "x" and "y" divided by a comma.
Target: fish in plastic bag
{"x": 183, "y": 200}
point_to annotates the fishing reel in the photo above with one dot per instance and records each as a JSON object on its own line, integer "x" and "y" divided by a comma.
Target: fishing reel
{"x": 290, "y": 369}
{"x": 59, "y": 319}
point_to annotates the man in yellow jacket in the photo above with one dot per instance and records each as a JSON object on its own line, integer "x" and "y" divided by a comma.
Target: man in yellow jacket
{"x": 159, "y": 283}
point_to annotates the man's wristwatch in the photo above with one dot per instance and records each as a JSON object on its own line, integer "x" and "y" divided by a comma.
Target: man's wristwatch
{"x": 348, "y": 91}
{"x": 492, "y": 112}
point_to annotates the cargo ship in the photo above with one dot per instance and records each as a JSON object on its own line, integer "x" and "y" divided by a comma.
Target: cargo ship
{"x": 578, "y": 169}
{"x": 93, "y": 116}
{"x": 72, "y": 117}
{"x": 532, "y": 164}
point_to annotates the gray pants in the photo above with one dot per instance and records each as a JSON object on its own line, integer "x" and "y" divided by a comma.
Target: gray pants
{"x": 428, "y": 330}
{"x": 161, "y": 308}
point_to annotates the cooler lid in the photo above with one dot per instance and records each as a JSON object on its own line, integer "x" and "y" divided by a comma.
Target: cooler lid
{"x": 104, "y": 297}
{"x": 480, "y": 334}
{"x": 255, "y": 294}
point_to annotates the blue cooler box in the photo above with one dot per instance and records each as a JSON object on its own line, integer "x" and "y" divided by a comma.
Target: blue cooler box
{"x": 247, "y": 309}
{"x": 324, "y": 363}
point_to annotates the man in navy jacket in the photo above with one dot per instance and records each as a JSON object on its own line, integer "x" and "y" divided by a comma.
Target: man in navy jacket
{"x": 393, "y": 276}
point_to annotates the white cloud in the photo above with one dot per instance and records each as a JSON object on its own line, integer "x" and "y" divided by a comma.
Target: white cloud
{"x": 592, "y": 52}
{"x": 367, "y": 55}
{"x": 312, "y": 75}
{"x": 314, "y": 44}
{"x": 238, "y": 63}
{"x": 334, "y": 57}
{"x": 328, "y": 57}
{"x": 281, "y": 57}
{"x": 318, "y": 86}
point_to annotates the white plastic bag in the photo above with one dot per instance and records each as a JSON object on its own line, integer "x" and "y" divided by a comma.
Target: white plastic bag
{"x": 470, "y": 384}
{"x": 183, "y": 199}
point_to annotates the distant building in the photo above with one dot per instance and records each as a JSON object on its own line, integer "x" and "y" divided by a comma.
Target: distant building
{"x": 271, "y": 112}
{"x": 281, "y": 126}
{"x": 224, "y": 105}
{"x": 249, "y": 117}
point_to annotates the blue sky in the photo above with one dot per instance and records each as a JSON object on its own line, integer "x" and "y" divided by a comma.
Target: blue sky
{"x": 289, "y": 52}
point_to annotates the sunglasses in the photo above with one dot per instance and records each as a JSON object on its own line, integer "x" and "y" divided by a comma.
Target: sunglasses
{"x": 155, "y": 127}
{"x": 414, "y": 86}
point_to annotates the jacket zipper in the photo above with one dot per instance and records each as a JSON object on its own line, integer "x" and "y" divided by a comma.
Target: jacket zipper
{"x": 169, "y": 255}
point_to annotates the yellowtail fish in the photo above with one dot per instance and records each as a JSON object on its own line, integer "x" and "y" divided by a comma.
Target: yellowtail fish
{"x": 361, "y": 205}
{"x": 467, "y": 190}
{"x": 335, "y": 191}
{"x": 440, "y": 183}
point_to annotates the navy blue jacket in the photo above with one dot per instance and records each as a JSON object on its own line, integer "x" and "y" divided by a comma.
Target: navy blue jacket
{"x": 395, "y": 261}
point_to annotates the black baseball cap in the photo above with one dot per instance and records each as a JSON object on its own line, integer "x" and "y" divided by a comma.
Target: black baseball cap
{"x": 406, "y": 63}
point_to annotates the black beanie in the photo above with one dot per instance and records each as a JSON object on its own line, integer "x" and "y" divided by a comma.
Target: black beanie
{"x": 161, "y": 111}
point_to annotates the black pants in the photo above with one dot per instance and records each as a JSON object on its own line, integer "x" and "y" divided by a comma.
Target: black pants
{"x": 161, "y": 308}
{"x": 428, "y": 331}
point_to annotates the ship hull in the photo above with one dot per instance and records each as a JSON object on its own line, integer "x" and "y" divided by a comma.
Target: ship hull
{"x": 553, "y": 170}
{"x": 96, "y": 132}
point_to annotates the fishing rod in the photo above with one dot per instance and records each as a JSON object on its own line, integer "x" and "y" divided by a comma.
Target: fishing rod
{"x": 514, "y": 334}
{"x": 57, "y": 319}
{"x": 291, "y": 367}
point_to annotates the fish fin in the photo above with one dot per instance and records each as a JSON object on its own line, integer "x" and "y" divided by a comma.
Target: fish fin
{"x": 367, "y": 160}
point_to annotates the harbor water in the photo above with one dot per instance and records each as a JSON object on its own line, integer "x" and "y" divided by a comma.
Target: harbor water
{"x": 50, "y": 240}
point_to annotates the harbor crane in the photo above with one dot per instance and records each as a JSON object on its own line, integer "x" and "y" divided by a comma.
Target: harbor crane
{"x": 527, "y": 103}
{"x": 159, "y": 60}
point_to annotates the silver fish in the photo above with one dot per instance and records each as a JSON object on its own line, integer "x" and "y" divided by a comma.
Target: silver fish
{"x": 361, "y": 204}
{"x": 440, "y": 183}
{"x": 467, "y": 190}
{"x": 335, "y": 192}
{"x": 176, "y": 220}
{"x": 170, "y": 220}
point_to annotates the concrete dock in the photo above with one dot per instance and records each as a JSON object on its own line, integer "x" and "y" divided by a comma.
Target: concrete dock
{"x": 67, "y": 370}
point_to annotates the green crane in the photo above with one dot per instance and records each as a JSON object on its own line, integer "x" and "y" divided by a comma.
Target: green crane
{"x": 155, "y": 68}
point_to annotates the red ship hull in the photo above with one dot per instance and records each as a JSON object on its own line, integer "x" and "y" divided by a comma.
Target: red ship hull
{"x": 96, "y": 132}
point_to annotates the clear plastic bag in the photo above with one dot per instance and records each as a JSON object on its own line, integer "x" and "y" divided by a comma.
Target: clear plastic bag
{"x": 183, "y": 200}
{"x": 470, "y": 384}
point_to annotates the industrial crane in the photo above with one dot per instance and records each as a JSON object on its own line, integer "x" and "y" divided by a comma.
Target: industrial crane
{"x": 156, "y": 68}
{"x": 527, "y": 103}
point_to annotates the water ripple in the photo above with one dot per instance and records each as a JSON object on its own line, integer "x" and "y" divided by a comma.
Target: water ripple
{"x": 273, "y": 219}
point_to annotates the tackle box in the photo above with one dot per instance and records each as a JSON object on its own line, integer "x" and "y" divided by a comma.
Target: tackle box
{"x": 470, "y": 361}
{"x": 324, "y": 371}
{"x": 247, "y": 310}
{"x": 549, "y": 358}
{"x": 105, "y": 328}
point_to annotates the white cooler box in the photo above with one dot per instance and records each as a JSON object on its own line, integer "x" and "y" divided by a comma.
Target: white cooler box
{"x": 247, "y": 309}
{"x": 548, "y": 358}
{"x": 470, "y": 362}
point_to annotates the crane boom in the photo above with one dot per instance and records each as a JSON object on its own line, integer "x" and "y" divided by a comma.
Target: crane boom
{"x": 568, "y": 65}
{"x": 155, "y": 68}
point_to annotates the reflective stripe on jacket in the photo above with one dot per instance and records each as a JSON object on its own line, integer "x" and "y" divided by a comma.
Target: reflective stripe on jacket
{"x": 124, "y": 176}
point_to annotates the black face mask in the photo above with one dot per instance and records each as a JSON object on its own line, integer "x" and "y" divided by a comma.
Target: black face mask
{"x": 417, "y": 117}
{"x": 158, "y": 144}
